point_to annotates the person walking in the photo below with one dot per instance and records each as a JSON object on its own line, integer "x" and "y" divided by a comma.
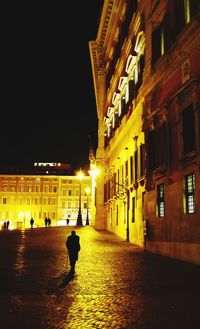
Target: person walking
{"x": 46, "y": 221}
{"x": 32, "y": 222}
{"x": 49, "y": 222}
{"x": 73, "y": 247}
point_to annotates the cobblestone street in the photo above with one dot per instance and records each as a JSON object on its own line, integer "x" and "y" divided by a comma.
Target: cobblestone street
{"x": 116, "y": 285}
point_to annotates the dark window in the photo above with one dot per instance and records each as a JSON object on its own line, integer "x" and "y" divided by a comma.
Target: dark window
{"x": 114, "y": 183}
{"x": 108, "y": 189}
{"x": 184, "y": 10}
{"x": 142, "y": 160}
{"x": 118, "y": 179}
{"x": 188, "y": 130}
{"x": 194, "y": 7}
{"x": 131, "y": 86}
{"x": 123, "y": 107}
{"x": 151, "y": 149}
{"x": 141, "y": 64}
{"x": 136, "y": 166}
{"x": 95, "y": 196}
{"x": 122, "y": 177}
{"x": 133, "y": 210}
{"x": 179, "y": 15}
{"x": 161, "y": 146}
{"x": 131, "y": 169}
{"x": 105, "y": 192}
{"x": 156, "y": 43}
{"x": 126, "y": 173}
{"x": 157, "y": 147}
{"x": 117, "y": 215}
{"x": 111, "y": 187}
{"x": 143, "y": 194}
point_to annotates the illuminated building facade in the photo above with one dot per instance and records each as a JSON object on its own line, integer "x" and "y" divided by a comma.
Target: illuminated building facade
{"x": 146, "y": 70}
{"x": 23, "y": 197}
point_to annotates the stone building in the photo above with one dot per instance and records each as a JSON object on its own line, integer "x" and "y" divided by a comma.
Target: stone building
{"x": 45, "y": 194}
{"x": 146, "y": 70}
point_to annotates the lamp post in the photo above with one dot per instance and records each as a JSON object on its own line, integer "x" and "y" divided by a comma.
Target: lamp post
{"x": 79, "y": 218}
{"x": 87, "y": 216}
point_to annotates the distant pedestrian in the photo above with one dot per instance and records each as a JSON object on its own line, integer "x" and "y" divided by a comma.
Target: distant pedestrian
{"x": 49, "y": 222}
{"x": 67, "y": 220}
{"x": 73, "y": 247}
{"x": 7, "y": 224}
{"x": 32, "y": 222}
{"x": 46, "y": 221}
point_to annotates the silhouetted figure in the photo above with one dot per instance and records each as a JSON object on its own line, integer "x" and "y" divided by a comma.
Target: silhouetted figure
{"x": 7, "y": 224}
{"x": 73, "y": 247}
{"x": 49, "y": 222}
{"x": 67, "y": 220}
{"x": 46, "y": 221}
{"x": 32, "y": 222}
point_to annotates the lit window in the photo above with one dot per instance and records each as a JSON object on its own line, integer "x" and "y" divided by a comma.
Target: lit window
{"x": 64, "y": 192}
{"x": 160, "y": 200}
{"x": 46, "y": 188}
{"x": 189, "y": 193}
{"x": 162, "y": 44}
{"x": 37, "y": 189}
{"x": 187, "y": 11}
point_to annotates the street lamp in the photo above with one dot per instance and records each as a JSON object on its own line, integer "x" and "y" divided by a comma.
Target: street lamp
{"x": 79, "y": 218}
{"x": 87, "y": 217}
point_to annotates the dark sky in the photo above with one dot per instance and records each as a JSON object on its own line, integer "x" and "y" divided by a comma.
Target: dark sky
{"x": 48, "y": 106}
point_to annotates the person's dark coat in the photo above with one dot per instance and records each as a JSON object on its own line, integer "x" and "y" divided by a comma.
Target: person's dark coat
{"x": 32, "y": 222}
{"x": 73, "y": 247}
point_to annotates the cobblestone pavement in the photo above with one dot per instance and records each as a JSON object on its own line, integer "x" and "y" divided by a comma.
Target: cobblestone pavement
{"x": 116, "y": 285}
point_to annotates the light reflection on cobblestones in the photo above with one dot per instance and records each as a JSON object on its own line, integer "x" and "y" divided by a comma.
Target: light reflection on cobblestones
{"x": 116, "y": 285}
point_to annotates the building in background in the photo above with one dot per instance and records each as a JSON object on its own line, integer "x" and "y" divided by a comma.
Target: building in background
{"x": 32, "y": 195}
{"x": 146, "y": 74}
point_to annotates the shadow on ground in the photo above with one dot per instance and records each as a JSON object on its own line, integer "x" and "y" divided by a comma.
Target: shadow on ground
{"x": 66, "y": 279}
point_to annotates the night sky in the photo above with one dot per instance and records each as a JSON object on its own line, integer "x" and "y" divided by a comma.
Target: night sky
{"x": 48, "y": 106}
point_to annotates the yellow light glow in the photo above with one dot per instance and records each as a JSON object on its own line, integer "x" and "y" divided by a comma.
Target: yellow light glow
{"x": 21, "y": 214}
{"x": 80, "y": 174}
{"x": 94, "y": 172}
{"x": 87, "y": 190}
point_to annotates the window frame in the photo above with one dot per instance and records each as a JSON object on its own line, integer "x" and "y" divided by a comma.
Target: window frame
{"x": 189, "y": 195}
{"x": 161, "y": 200}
